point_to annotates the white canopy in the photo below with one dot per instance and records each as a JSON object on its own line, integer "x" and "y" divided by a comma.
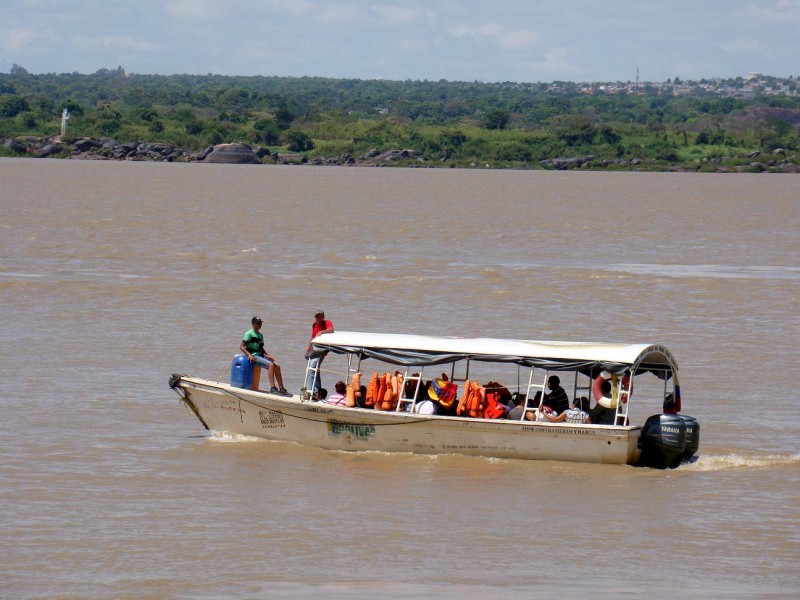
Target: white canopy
{"x": 422, "y": 350}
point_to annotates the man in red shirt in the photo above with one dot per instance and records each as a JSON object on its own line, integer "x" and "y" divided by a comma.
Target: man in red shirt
{"x": 320, "y": 326}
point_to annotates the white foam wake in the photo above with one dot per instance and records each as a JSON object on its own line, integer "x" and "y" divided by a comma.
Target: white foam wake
{"x": 721, "y": 462}
{"x": 224, "y": 437}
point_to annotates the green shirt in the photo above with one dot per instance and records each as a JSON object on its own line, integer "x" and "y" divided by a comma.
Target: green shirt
{"x": 254, "y": 342}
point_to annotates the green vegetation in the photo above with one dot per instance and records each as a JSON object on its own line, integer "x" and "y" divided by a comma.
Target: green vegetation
{"x": 444, "y": 123}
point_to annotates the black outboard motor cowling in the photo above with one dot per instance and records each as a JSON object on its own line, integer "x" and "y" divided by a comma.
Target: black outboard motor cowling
{"x": 692, "y": 437}
{"x": 663, "y": 441}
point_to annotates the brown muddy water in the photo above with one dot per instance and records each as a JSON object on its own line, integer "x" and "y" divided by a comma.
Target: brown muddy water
{"x": 115, "y": 275}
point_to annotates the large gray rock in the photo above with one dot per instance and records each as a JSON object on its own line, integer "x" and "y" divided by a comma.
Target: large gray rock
{"x": 233, "y": 154}
{"x": 391, "y": 155}
{"x": 15, "y": 146}
{"x": 48, "y": 150}
{"x": 86, "y": 144}
{"x": 291, "y": 159}
{"x": 570, "y": 162}
{"x": 200, "y": 156}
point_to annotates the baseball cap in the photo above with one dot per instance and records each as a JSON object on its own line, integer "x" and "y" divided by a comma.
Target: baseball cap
{"x": 256, "y": 319}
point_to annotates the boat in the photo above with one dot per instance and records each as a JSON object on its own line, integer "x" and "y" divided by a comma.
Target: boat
{"x": 413, "y": 371}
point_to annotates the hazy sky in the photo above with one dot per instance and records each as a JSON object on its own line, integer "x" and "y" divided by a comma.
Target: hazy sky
{"x": 457, "y": 40}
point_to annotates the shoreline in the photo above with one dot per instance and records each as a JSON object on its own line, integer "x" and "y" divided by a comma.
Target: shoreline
{"x": 778, "y": 161}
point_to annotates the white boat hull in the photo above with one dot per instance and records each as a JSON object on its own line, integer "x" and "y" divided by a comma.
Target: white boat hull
{"x": 223, "y": 408}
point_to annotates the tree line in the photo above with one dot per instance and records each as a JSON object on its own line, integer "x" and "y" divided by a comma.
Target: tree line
{"x": 452, "y": 123}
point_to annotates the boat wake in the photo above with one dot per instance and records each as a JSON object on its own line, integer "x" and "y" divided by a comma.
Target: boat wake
{"x": 723, "y": 462}
{"x": 224, "y": 437}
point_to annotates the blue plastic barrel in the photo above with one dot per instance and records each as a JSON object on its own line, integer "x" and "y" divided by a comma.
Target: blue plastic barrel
{"x": 241, "y": 372}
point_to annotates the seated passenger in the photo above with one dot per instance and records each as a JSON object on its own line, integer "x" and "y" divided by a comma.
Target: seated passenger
{"x": 577, "y": 414}
{"x": 338, "y": 398}
{"x": 361, "y": 397}
{"x": 542, "y": 414}
{"x": 252, "y": 345}
{"x": 517, "y": 410}
{"x": 517, "y": 406}
{"x": 557, "y": 399}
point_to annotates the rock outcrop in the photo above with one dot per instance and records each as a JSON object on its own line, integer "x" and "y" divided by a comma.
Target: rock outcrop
{"x": 779, "y": 160}
{"x": 232, "y": 154}
{"x": 15, "y": 146}
{"x": 94, "y": 149}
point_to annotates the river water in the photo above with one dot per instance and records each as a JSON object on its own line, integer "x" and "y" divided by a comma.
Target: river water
{"x": 113, "y": 275}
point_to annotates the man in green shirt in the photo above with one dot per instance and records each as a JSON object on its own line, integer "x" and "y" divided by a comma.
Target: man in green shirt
{"x": 253, "y": 347}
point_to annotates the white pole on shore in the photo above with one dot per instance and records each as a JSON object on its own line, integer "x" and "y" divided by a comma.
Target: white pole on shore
{"x": 64, "y": 119}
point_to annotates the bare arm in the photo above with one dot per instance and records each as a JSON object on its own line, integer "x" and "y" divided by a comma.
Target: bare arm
{"x": 320, "y": 332}
{"x": 555, "y": 419}
{"x": 326, "y": 330}
{"x": 244, "y": 349}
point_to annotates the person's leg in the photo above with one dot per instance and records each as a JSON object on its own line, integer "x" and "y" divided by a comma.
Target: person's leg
{"x": 313, "y": 384}
{"x": 269, "y": 366}
{"x": 279, "y": 376}
{"x": 318, "y": 380}
{"x": 260, "y": 360}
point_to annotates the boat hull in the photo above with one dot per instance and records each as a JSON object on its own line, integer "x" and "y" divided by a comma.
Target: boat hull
{"x": 223, "y": 408}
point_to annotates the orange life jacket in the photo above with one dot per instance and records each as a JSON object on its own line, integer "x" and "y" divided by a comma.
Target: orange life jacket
{"x": 462, "y": 403}
{"x": 493, "y": 407}
{"x": 355, "y": 384}
{"x": 476, "y": 401}
{"x": 393, "y": 387}
{"x": 387, "y": 399}
{"x": 372, "y": 390}
{"x": 381, "y": 392}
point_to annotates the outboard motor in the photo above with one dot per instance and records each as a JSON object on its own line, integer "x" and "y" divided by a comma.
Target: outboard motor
{"x": 692, "y": 437}
{"x": 663, "y": 441}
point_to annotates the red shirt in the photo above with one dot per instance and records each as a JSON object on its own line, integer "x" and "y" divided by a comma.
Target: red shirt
{"x": 317, "y": 327}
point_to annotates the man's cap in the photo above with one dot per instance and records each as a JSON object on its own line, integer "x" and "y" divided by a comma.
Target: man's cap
{"x": 319, "y": 311}
{"x": 256, "y": 319}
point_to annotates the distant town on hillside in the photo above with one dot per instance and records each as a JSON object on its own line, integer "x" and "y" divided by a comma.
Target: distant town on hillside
{"x": 750, "y": 86}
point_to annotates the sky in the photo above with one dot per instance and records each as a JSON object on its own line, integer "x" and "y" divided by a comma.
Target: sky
{"x": 455, "y": 40}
